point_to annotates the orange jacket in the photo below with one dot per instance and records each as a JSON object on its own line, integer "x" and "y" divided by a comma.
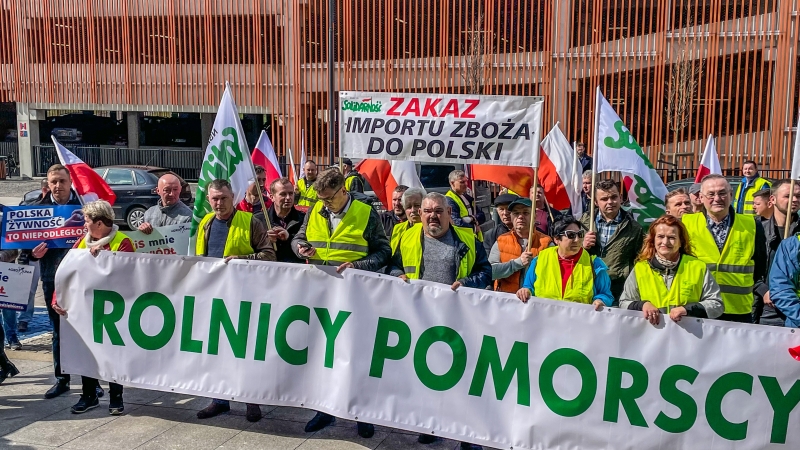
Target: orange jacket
{"x": 511, "y": 249}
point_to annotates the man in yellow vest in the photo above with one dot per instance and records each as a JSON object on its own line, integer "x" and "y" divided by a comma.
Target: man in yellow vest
{"x": 343, "y": 232}
{"x": 733, "y": 245}
{"x": 461, "y": 204}
{"x": 567, "y": 272}
{"x": 412, "y": 202}
{"x": 230, "y": 234}
{"x": 437, "y": 251}
{"x": 304, "y": 191}
{"x": 751, "y": 183}
{"x": 510, "y": 255}
{"x": 353, "y": 181}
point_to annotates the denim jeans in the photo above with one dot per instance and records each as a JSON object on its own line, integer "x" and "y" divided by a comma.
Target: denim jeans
{"x": 27, "y": 315}
{"x": 10, "y": 324}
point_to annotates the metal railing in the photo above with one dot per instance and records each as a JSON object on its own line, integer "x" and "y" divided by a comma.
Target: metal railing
{"x": 11, "y": 151}
{"x": 184, "y": 162}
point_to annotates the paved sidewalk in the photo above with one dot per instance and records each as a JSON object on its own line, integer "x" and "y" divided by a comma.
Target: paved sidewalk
{"x": 159, "y": 420}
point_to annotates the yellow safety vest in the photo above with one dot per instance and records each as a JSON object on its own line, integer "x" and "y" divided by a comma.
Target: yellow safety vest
{"x": 397, "y": 233}
{"x": 411, "y": 249}
{"x": 687, "y": 286}
{"x": 348, "y": 182}
{"x": 347, "y": 244}
{"x": 114, "y": 244}
{"x": 758, "y": 185}
{"x": 238, "y": 242}
{"x": 580, "y": 285}
{"x": 308, "y": 195}
{"x": 733, "y": 268}
{"x": 462, "y": 210}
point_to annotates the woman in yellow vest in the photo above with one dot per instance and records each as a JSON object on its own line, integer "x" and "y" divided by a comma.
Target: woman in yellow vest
{"x": 567, "y": 272}
{"x": 668, "y": 279}
{"x": 101, "y": 234}
{"x": 412, "y": 202}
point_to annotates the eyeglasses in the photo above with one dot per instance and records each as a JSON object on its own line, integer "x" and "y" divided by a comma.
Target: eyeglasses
{"x": 329, "y": 200}
{"x": 572, "y": 235}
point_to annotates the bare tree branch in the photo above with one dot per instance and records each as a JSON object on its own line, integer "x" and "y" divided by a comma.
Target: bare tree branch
{"x": 477, "y": 50}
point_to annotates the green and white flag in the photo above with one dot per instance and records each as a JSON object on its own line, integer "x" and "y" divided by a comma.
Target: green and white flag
{"x": 227, "y": 157}
{"x": 617, "y": 151}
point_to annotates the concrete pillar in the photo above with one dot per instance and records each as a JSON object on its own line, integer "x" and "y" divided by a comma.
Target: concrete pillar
{"x": 206, "y": 125}
{"x": 27, "y": 137}
{"x": 133, "y": 129}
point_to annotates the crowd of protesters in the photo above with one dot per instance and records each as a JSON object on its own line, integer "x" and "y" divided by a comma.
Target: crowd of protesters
{"x": 716, "y": 253}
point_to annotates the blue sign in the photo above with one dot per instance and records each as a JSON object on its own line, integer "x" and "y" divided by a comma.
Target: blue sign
{"x": 25, "y": 227}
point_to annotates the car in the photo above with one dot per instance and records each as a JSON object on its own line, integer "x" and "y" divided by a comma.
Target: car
{"x": 135, "y": 187}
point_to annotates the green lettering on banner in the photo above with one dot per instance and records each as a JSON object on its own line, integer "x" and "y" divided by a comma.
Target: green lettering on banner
{"x": 187, "y": 324}
{"x": 729, "y": 382}
{"x": 237, "y": 337}
{"x": 262, "y": 333}
{"x": 138, "y": 335}
{"x": 381, "y": 351}
{"x": 331, "y": 331}
{"x": 453, "y": 375}
{"x": 683, "y": 401}
{"x": 101, "y": 320}
{"x": 292, "y": 314}
{"x": 576, "y": 359}
{"x": 517, "y": 363}
{"x": 782, "y": 406}
{"x": 617, "y": 395}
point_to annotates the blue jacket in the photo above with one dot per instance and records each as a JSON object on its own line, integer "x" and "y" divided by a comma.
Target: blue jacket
{"x": 784, "y": 280}
{"x": 602, "y": 282}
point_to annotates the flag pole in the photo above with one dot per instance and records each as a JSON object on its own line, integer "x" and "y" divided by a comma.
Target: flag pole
{"x": 594, "y": 153}
{"x": 789, "y": 210}
{"x": 534, "y": 189}
{"x": 71, "y": 182}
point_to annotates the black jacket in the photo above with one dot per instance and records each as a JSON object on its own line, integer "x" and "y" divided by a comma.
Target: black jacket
{"x": 48, "y": 264}
{"x": 490, "y": 237}
{"x": 773, "y": 236}
{"x": 358, "y": 181}
{"x": 292, "y": 223}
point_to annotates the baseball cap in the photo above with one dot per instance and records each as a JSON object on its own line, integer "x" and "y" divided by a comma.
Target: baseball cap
{"x": 695, "y": 188}
{"x": 504, "y": 199}
{"x": 524, "y": 201}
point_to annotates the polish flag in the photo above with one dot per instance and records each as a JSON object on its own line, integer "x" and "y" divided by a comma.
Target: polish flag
{"x": 302, "y": 152}
{"x": 517, "y": 179}
{"x": 292, "y": 170}
{"x": 710, "y": 162}
{"x": 384, "y": 176}
{"x": 85, "y": 181}
{"x": 559, "y": 175}
{"x": 264, "y": 156}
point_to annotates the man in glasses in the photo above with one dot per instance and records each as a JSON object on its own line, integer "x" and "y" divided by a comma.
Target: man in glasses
{"x": 437, "y": 251}
{"x": 733, "y": 245}
{"x": 342, "y": 232}
{"x": 567, "y": 272}
{"x": 618, "y": 238}
{"x": 511, "y": 254}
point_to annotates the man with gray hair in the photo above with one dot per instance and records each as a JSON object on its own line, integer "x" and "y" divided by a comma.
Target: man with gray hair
{"x": 169, "y": 210}
{"x": 586, "y": 192}
{"x": 461, "y": 205}
{"x": 412, "y": 202}
{"x": 435, "y": 250}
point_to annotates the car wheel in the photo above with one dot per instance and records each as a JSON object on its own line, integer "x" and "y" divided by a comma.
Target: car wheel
{"x": 135, "y": 217}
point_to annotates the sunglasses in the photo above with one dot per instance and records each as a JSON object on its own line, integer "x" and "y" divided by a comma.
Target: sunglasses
{"x": 572, "y": 235}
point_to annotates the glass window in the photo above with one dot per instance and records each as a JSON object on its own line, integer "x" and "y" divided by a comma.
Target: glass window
{"x": 140, "y": 180}
{"x": 435, "y": 176}
{"x": 115, "y": 177}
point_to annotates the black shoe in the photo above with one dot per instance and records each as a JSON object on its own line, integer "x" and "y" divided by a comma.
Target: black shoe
{"x": 85, "y": 404}
{"x": 214, "y": 409}
{"x": 58, "y": 389}
{"x": 468, "y": 446}
{"x": 320, "y": 421}
{"x": 8, "y": 371}
{"x": 426, "y": 439}
{"x": 115, "y": 406}
{"x": 365, "y": 430}
{"x": 253, "y": 413}
{"x": 99, "y": 392}
{"x": 16, "y": 346}
{"x": 22, "y": 327}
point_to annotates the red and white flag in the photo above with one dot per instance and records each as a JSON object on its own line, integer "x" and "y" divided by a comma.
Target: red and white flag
{"x": 384, "y": 176}
{"x": 558, "y": 174}
{"x": 710, "y": 162}
{"x": 264, "y": 156}
{"x": 302, "y": 152}
{"x": 292, "y": 172}
{"x": 86, "y": 182}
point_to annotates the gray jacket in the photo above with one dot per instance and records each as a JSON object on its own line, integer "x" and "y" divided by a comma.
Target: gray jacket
{"x": 161, "y": 216}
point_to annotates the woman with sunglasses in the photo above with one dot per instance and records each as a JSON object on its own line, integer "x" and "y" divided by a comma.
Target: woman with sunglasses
{"x": 668, "y": 279}
{"x": 567, "y": 272}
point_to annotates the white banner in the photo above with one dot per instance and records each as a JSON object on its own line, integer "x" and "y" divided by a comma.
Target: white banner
{"x": 470, "y": 365}
{"x": 440, "y": 128}
{"x": 15, "y": 286}
{"x": 168, "y": 240}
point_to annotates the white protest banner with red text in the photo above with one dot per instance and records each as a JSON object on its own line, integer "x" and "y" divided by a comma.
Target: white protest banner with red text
{"x": 440, "y": 128}
{"x": 167, "y": 240}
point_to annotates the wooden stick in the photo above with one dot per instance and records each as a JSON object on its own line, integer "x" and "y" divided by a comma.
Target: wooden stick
{"x": 594, "y": 154}
{"x": 789, "y": 213}
{"x": 534, "y": 189}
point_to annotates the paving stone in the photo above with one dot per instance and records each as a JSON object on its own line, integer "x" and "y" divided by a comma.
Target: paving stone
{"x": 342, "y": 438}
{"x": 198, "y": 435}
{"x": 62, "y": 427}
{"x": 269, "y": 434}
{"x": 131, "y": 430}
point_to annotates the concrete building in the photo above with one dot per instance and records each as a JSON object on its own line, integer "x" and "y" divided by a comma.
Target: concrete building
{"x": 675, "y": 70}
